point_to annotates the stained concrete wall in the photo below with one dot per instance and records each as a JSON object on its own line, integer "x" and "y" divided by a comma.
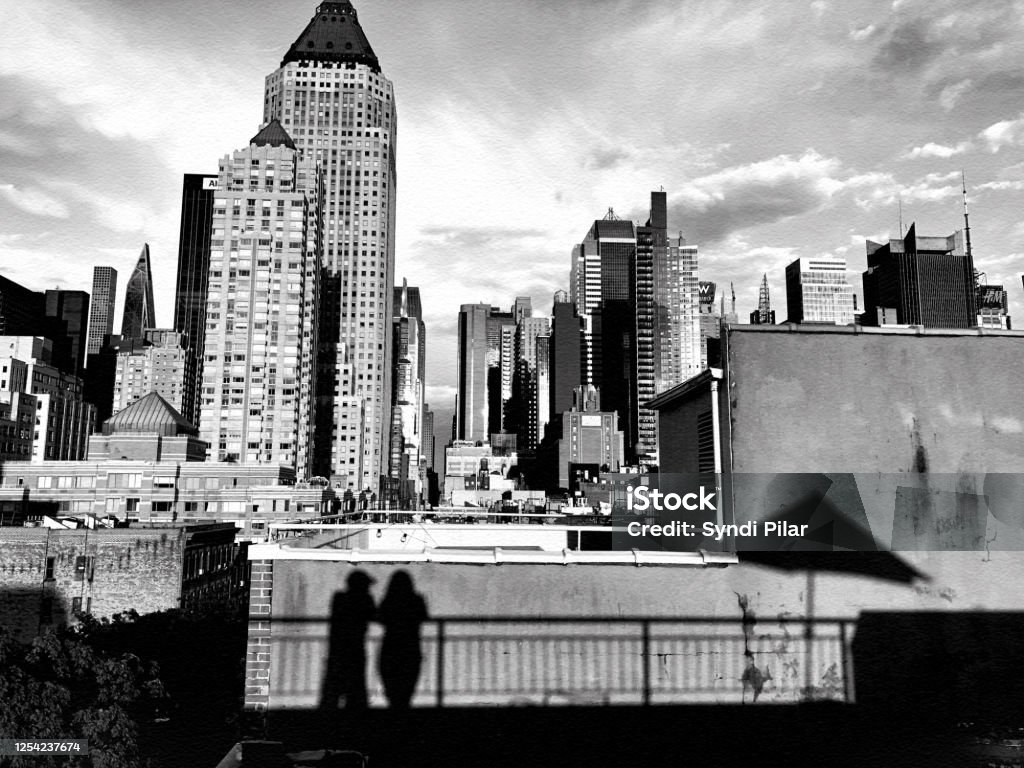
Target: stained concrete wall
{"x": 918, "y": 438}
{"x": 722, "y": 627}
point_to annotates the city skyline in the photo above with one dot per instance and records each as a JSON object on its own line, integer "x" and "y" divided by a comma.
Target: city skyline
{"x": 869, "y": 105}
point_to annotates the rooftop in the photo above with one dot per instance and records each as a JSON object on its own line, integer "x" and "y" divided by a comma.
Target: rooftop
{"x": 333, "y": 35}
{"x": 147, "y": 415}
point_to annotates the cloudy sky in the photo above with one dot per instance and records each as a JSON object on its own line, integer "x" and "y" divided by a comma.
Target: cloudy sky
{"x": 778, "y": 130}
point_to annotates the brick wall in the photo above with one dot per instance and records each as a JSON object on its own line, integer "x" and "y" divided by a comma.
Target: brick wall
{"x": 257, "y": 652}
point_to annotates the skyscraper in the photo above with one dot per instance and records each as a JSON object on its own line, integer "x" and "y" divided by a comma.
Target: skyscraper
{"x": 197, "y": 192}
{"x": 817, "y": 291}
{"x": 651, "y": 250}
{"x": 330, "y": 94}
{"x": 67, "y": 315}
{"x": 564, "y": 348}
{"x": 926, "y": 280}
{"x": 138, "y": 299}
{"x": 163, "y": 365}
{"x": 529, "y": 417}
{"x": 101, "y": 312}
{"x": 471, "y": 410}
{"x": 764, "y": 314}
{"x": 677, "y": 350}
{"x": 407, "y": 406}
{"x": 261, "y": 309}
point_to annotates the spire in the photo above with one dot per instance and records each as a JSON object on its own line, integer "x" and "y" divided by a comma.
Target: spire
{"x": 333, "y": 35}
{"x": 763, "y": 315}
{"x": 272, "y": 135}
{"x": 404, "y": 311}
{"x": 138, "y": 299}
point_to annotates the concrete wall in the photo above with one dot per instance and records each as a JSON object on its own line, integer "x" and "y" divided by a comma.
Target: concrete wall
{"x": 718, "y": 628}
{"x": 917, "y": 438}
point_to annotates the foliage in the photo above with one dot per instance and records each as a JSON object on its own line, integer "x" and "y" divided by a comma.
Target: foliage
{"x": 60, "y": 687}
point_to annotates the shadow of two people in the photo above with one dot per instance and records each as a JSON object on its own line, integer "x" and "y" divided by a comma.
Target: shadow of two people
{"x": 401, "y": 613}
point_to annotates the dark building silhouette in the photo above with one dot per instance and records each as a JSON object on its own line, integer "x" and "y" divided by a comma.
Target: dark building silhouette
{"x": 193, "y": 269}
{"x": 920, "y": 280}
{"x": 67, "y": 315}
{"x": 565, "y": 351}
{"x": 20, "y": 309}
{"x": 138, "y": 299}
{"x": 101, "y": 312}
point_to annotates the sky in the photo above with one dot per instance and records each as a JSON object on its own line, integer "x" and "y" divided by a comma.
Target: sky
{"x": 778, "y": 130}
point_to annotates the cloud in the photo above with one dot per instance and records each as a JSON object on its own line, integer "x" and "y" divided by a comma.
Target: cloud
{"x": 908, "y": 46}
{"x": 605, "y": 158}
{"x": 951, "y": 94}
{"x": 713, "y": 206}
{"x": 474, "y": 237}
{"x": 932, "y": 149}
{"x": 1004, "y": 133}
{"x": 863, "y": 33}
{"x": 34, "y": 201}
{"x": 1015, "y": 185}
{"x": 440, "y": 396}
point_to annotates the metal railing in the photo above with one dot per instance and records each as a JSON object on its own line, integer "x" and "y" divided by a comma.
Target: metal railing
{"x": 501, "y": 661}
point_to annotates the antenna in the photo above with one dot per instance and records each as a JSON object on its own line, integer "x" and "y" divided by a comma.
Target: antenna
{"x": 967, "y": 221}
{"x": 900, "y": 198}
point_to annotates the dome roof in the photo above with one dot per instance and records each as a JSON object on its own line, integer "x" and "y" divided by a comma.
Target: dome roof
{"x": 147, "y": 415}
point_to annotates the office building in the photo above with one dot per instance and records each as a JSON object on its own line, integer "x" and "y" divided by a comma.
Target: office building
{"x": 67, "y": 320}
{"x": 161, "y": 364}
{"x": 194, "y": 236}
{"x": 408, "y": 464}
{"x": 651, "y": 255}
{"x": 471, "y": 411}
{"x": 20, "y": 309}
{"x": 817, "y": 291}
{"x": 529, "y": 415}
{"x": 565, "y": 351}
{"x": 330, "y": 95}
{"x": 261, "y": 310}
{"x": 101, "y": 311}
{"x": 139, "y": 313}
{"x": 918, "y": 280}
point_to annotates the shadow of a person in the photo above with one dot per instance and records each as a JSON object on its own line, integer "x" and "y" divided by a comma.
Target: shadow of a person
{"x": 402, "y": 612}
{"x": 351, "y": 612}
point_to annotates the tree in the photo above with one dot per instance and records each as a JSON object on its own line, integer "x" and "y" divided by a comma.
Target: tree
{"x": 59, "y": 687}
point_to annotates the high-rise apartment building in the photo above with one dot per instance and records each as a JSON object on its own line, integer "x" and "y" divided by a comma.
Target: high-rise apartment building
{"x": 329, "y": 93}
{"x": 101, "y": 311}
{"x": 197, "y": 193}
{"x": 677, "y": 347}
{"x": 261, "y": 312}
{"x": 922, "y": 280}
{"x": 530, "y": 416}
{"x": 139, "y": 313}
{"x": 161, "y": 364}
{"x": 817, "y": 291}
{"x": 63, "y": 420}
{"x": 651, "y": 255}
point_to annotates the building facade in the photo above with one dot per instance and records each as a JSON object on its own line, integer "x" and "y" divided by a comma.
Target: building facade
{"x": 261, "y": 310}
{"x": 408, "y": 463}
{"x": 817, "y": 291}
{"x": 677, "y": 347}
{"x": 101, "y": 311}
{"x": 925, "y": 281}
{"x": 62, "y": 420}
{"x": 163, "y": 364}
{"x": 194, "y": 236}
{"x": 330, "y": 94}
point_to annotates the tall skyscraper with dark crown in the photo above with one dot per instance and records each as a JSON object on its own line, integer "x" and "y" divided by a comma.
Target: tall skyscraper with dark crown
{"x": 138, "y": 299}
{"x": 330, "y": 95}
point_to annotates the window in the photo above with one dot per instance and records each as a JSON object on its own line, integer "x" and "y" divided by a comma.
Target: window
{"x": 84, "y": 567}
{"x": 51, "y": 562}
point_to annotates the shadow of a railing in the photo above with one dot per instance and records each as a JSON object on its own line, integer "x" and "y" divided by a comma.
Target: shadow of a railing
{"x": 582, "y": 661}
